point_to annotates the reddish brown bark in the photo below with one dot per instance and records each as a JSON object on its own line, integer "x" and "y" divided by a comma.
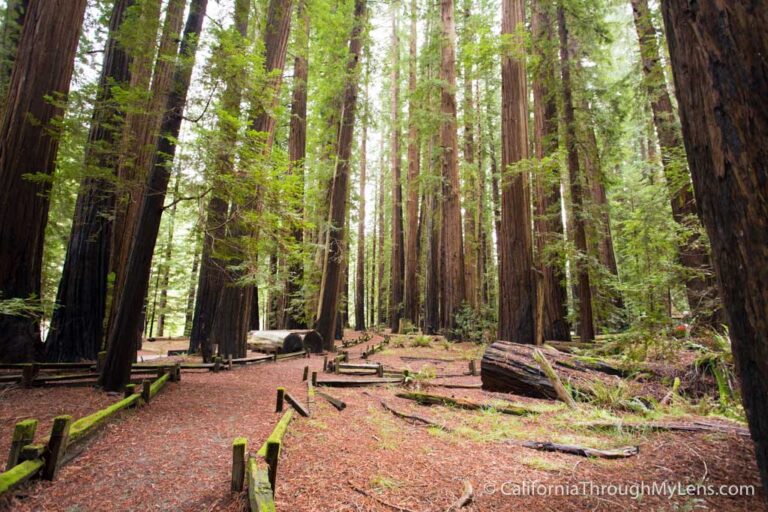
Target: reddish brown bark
{"x": 333, "y": 262}
{"x": 398, "y": 254}
{"x": 411, "y": 304}
{"x": 121, "y": 342}
{"x": 360, "y": 269}
{"x": 692, "y": 250}
{"x": 516, "y": 286}
{"x": 28, "y": 145}
{"x": 548, "y": 222}
{"x": 76, "y": 330}
{"x": 452, "y": 277}
{"x": 584, "y": 293}
{"x": 718, "y": 51}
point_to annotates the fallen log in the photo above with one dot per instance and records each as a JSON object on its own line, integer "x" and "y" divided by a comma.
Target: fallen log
{"x": 276, "y": 341}
{"x": 350, "y": 383}
{"x": 260, "y": 496}
{"x": 414, "y": 417}
{"x": 694, "y": 426}
{"x": 582, "y": 451}
{"x": 451, "y": 386}
{"x": 313, "y": 341}
{"x": 460, "y": 403}
{"x": 338, "y": 404}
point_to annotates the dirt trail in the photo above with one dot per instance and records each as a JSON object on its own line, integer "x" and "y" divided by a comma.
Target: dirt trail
{"x": 175, "y": 455}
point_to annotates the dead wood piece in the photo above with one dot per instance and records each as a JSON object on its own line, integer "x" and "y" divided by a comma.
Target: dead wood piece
{"x": 554, "y": 378}
{"x": 414, "y": 417}
{"x": 376, "y": 498}
{"x": 426, "y": 399}
{"x": 465, "y": 498}
{"x": 338, "y": 404}
{"x": 300, "y": 408}
{"x": 452, "y": 386}
{"x": 358, "y": 382}
{"x": 582, "y": 451}
{"x": 694, "y": 426}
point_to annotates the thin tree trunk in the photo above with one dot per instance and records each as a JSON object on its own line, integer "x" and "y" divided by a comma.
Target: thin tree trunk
{"x": 117, "y": 368}
{"x": 411, "y": 284}
{"x": 28, "y": 145}
{"x": 548, "y": 222}
{"x": 332, "y": 266}
{"x": 189, "y": 311}
{"x": 381, "y": 290}
{"x": 453, "y": 282}
{"x": 693, "y": 252}
{"x": 166, "y": 266}
{"x": 717, "y": 52}
{"x": 584, "y": 293}
{"x": 76, "y": 330}
{"x": 516, "y": 286}
{"x": 398, "y": 254}
{"x": 360, "y": 268}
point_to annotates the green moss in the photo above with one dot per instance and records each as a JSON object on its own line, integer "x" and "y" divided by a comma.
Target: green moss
{"x": 277, "y": 434}
{"x": 19, "y": 474}
{"x": 260, "y": 494}
{"x": 158, "y": 385}
{"x": 87, "y": 424}
{"x": 240, "y": 441}
{"x": 25, "y": 429}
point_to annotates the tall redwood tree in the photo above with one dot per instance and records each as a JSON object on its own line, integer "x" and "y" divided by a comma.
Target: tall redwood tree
{"x": 718, "y": 52}
{"x": 28, "y": 145}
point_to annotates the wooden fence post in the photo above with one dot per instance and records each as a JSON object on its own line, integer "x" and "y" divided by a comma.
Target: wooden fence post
{"x": 146, "y": 392}
{"x": 306, "y": 374}
{"x": 57, "y": 446}
{"x": 273, "y": 455}
{"x": 101, "y": 357}
{"x": 472, "y": 367}
{"x": 280, "y": 397}
{"x": 23, "y": 434}
{"x": 28, "y": 375}
{"x": 239, "y": 449}
{"x": 217, "y": 364}
{"x": 380, "y": 370}
{"x": 325, "y": 363}
{"x": 314, "y": 378}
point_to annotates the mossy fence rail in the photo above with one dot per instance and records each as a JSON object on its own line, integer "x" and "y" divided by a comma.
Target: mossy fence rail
{"x": 27, "y": 459}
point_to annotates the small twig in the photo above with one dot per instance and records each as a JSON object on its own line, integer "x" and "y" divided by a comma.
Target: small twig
{"x": 390, "y": 505}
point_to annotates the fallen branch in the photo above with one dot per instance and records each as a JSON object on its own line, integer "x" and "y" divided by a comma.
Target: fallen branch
{"x": 618, "y": 453}
{"x": 425, "y": 399}
{"x": 465, "y": 498}
{"x": 369, "y": 495}
{"x": 562, "y": 393}
{"x": 414, "y": 417}
{"x": 695, "y": 426}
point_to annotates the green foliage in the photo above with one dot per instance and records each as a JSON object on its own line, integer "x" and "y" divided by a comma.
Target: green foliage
{"x": 476, "y": 325}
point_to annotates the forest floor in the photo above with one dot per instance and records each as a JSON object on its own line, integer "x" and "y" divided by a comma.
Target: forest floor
{"x": 175, "y": 454}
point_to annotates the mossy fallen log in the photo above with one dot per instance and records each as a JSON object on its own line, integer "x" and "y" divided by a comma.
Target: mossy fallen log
{"x": 582, "y": 451}
{"x": 19, "y": 474}
{"x": 460, "y": 403}
{"x": 260, "y": 497}
{"x": 158, "y": 385}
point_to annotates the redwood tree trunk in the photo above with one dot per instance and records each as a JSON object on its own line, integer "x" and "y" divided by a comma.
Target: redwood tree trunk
{"x": 718, "y": 51}
{"x": 76, "y": 330}
{"x": 548, "y": 222}
{"x": 516, "y": 286}
{"x": 334, "y": 259}
{"x": 297, "y": 149}
{"x": 212, "y": 273}
{"x": 411, "y": 284}
{"x": 15, "y": 13}
{"x": 583, "y": 291}
{"x": 360, "y": 269}
{"x": 693, "y": 252}
{"x": 398, "y": 254}
{"x": 28, "y": 145}
{"x": 452, "y": 278}
{"x": 117, "y": 368}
